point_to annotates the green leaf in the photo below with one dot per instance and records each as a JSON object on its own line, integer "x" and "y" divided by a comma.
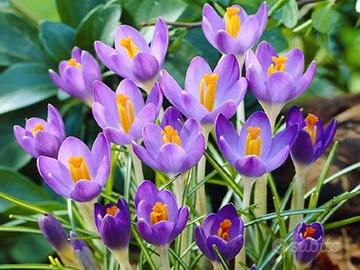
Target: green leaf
{"x": 57, "y": 39}
{"x": 290, "y": 14}
{"x": 324, "y": 18}
{"x": 37, "y": 10}
{"x": 24, "y": 84}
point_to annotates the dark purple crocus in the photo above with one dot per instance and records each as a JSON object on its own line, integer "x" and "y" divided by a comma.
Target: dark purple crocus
{"x": 40, "y": 137}
{"x": 78, "y": 172}
{"x": 172, "y": 147}
{"x": 77, "y": 75}
{"x": 223, "y": 229}
{"x": 308, "y": 240}
{"x": 132, "y": 57}
{"x": 83, "y": 254}
{"x": 253, "y": 152}
{"x": 237, "y": 31}
{"x": 207, "y": 93}
{"x": 123, "y": 114}
{"x": 160, "y": 220}
{"x": 312, "y": 138}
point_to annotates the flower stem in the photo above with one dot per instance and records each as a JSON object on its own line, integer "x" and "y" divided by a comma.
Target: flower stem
{"x": 164, "y": 257}
{"x": 122, "y": 257}
{"x": 179, "y": 187}
{"x": 240, "y": 111}
{"x": 139, "y": 176}
{"x": 260, "y": 200}
{"x": 86, "y": 210}
{"x": 217, "y": 265}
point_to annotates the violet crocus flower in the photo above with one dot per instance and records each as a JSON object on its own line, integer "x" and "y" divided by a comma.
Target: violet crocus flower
{"x": 236, "y": 32}
{"x": 223, "y": 229}
{"x": 78, "y": 172}
{"x": 160, "y": 220}
{"x": 132, "y": 57}
{"x": 40, "y": 137}
{"x": 83, "y": 254}
{"x": 77, "y": 75}
{"x": 253, "y": 152}
{"x": 308, "y": 240}
{"x": 312, "y": 138}
{"x": 123, "y": 114}
{"x": 207, "y": 93}
{"x": 275, "y": 80}
{"x": 173, "y": 146}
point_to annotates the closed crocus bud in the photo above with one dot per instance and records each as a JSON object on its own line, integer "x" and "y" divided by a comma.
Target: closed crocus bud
{"x": 40, "y": 137}
{"x": 308, "y": 240}
{"x": 77, "y": 75}
{"x": 83, "y": 254}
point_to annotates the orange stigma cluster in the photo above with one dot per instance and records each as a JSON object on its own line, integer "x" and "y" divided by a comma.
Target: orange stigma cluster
{"x": 78, "y": 168}
{"x": 311, "y": 121}
{"x": 279, "y": 65}
{"x": 309, "y": 232}
{"x": 232, "y": 21}
{"x": 125, "y": 111}
{"x": 36, "y": 129}
{"x": 112, "y": 210}
{"x": 208, "y": 85}
{"x": 170, "y": 135}
{"x": 72, "y": 62}
{"x": 129, "y": 46}
{"x": 253, "y": 141}
{"x": 159, "y": 213}
{"x": 224, "y": 228}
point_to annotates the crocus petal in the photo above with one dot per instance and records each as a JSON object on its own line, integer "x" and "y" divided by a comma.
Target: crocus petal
{"x": 108, "y": 230}
{"x": 152, "y": 138}
{"x": 295, "y": 117}
{"x": 146, "y": 115}
{"x": 125, "y": 31}
{"x": 55, "y": 123}
{"x": 257, "y": 83}
{"x": 117, "y": 136}
{"x": 328, "y": 137}
{"x": 229, "y": 153}
{"x": 101, "y": 158}
{"x": 302, "y": 149}
{"x": 60, "y": 82}
{"x": 73, "y": 75}
{"x": 264, "y": 54}
{"x": 197, "y": 69}
{"x": 210, "y": 14}
{"x": 224, "y": 42}
{"x": 85, "y": 191}
{"x": 262, "y": 15}
{"x": 304, "y": 82}
{"x": 145, "y": 190}
{"x": 171, "y": 157}
{"x": 46, "y": 144}
{"x": 145, "y": 156}
{"x": 192, "y": 107}
{"x": 167, "y": 197}
{"x": 173, "y": 118}
{"x": 224, "y": 128}
{"x": 171, "y": 89}
{"x": 233, "y": 248}
{"x": 201, "y": 241}
{"x": 281, "y": 87}
{"x": 188, "y": 134}
{"x": 247, "y": 36}
{"x": 155, "y": 97}
{"x": 26, "y": 142}
{"x": 295, "y": 62}
{"x": 306, "y": 250}
{"x": 282, "y": 139}
{"x": 145, "y": 231}
{"x": 228, "y": 109}
{"x": 277, "y": 160}
{"x": 195, "y": 152}
{"x": 236, "y": 92}
{"x": 183, "y": 217}
{"x": 160, "y": 41}
{"x": 130, "y": 89}
{"x": 145, "y": 67}
{"x": 250, "y": 166}
{"x": 162, "y": 232}
{"x": 228, "y": 71}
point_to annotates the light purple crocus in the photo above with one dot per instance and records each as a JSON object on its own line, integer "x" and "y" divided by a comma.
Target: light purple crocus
{"x": 253, "y": 152}
{"x": 236, "y": 32}
{"x": 40, "y": 137}
{"x": 132, "y": 57}
{"x": 78, "y": 172}
{"x": 77, "y": 75}
{"x": 123, "y": 114}
{"x": 160, "y": 220}
{"x": 172, "y": 147}
{"x": 207, "y": 93}
{"x": 83, "y": 254}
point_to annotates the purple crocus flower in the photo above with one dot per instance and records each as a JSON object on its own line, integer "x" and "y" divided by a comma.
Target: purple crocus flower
{"x": 312, "y": 139}
{"x": 40, "y": 137}
{"x": 123, "y": 114}
{"x": 83, "y": 254}
{"x": 308, "y": 240}
{"x": 253, "y": 152}
{"x": 77, "y": 75}
{"x": 207, "y": 93}
{"x": 113, "y": 223}
{"x": 275, "y": 80}
{"x": 132, "y": 57}
{"x": 78, "y": 172}
{"x": 174, "y": 146}
{"x": 236, "y": 32}
{"x": 223, "y": 229}
{"x": 160, "y": 220}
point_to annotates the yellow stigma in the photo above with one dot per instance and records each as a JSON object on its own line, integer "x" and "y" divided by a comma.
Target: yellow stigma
{"x": 112, "y": 210}
{"x": 208, "y": 85}
{"x": 125, "y": 111}
{"x": 253, "y": 141}
{"x": 78, "y": 168}
{"x": 159, "y": 212}
{"x": 279, "y": 64}
{"x": 224, "y": 228}
{"x": 129, "y": 46}
{"x": 232, "y": 21}
{"x": 36, "y": 129}
{"x": 72, "y": 62}
{"x": 311, "y": 121}
{"x": 170, "y": 135}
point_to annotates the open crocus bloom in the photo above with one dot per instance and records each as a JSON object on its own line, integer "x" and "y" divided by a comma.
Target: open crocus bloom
{"x": 132, "y": 57}
{"x": 207, "y": 93}
{"x": 223, "y": 229}
{"x": 40, "y": 137}
{"x": 312, "y": 139}
{"x": 275, "y": 80}
{"x": 236, "y": 32}
{"x": 77, "y": 173}
{"x": 160, "y": 220}
{"x": 174, "y": 146}
{"x": 253, "y": 152}
{"x": 77, "y": 75}
{"x": 123, "y": 114}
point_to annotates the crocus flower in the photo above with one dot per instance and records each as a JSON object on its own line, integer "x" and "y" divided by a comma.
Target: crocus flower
{"x": 132, "y": 57}
{"x": 77, "y": 75}
{"x": 253, "y": 152}
{"x": 160, "y": 220}
{"x": 275, "y": 80}
{"x": 308, "y": 240}
{"x": 207, "y": 93}
{"x": 83, "y": 254}
{"x": 223, "y": 229}
{"x": 78, "y": 172}
{"x": 174, "y": 146}
{"x": 40, "y": 137}
{"x": 312, "y": 139}
{"x": 123, "y": 114}
{"x": 236, "y": 32}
